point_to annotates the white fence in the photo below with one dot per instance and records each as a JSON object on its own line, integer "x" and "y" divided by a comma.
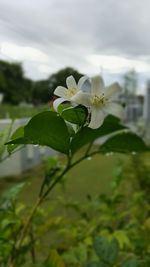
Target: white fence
{"x": 24, "y": 159}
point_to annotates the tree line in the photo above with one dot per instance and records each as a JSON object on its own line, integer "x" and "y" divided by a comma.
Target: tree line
{"x": 17, "y": 88}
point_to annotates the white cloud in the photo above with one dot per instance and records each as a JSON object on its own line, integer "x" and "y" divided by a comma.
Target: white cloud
{"x": 22, "y": 53}
{"x": 45, "y": 69}
{"x": 116, "y": 64}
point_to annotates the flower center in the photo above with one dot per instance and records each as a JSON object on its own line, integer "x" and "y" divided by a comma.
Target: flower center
{"x": 71, "y": 92}
{"x": 98, "y": 100}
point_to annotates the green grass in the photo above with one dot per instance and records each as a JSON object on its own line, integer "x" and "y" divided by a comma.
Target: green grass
{"x": 13, "y": 112}
{"x": 89, "y": 177}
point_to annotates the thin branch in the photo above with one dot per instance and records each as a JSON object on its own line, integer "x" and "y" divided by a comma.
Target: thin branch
{"x": 33, "y": 256}
{"x": 88, "y": 149}
{"x": 8, "y": 156}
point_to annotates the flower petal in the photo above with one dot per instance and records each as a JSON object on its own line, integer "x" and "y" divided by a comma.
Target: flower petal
{"x": 114, "y": 109}
{"x": 82, "y": 99}
{"x": 57, "y": 102}
{"x": 86, "y": 87}
{"x": 112, "y": 91}
{"x": 82, "y": 81}
{"x": 97, "y": 86}
{"x": 97, "y": 118}
{"x": 71, "y": 83}
{"x": 61, "y": 91}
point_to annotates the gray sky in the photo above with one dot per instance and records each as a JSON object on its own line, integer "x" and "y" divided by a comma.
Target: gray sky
{"x": 90, "y": 35}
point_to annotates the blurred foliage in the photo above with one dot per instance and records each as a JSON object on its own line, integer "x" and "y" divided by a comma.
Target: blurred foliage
{"x": 40, "y": 92}
{"x": 106, "y": 230}
{"x": 13, "y": 84}
{"x": 122, "y": 216}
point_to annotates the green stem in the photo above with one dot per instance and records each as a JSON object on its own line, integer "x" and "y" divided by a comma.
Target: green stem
{"x": 88, "y": 149}
{"x": 39, "y": 201}
{"x": 33, "y": 256}
{"x": 84, "y": 157}
{"x": 68, "y": 167}
{"x": 29, "y": 219}
{"x": 8, "y": 156}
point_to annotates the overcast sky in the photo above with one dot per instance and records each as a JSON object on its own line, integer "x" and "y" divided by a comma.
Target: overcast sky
{"x": 94, "y": 36}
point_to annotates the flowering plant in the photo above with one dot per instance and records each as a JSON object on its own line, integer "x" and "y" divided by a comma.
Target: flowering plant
{"x": 92, "y": 112}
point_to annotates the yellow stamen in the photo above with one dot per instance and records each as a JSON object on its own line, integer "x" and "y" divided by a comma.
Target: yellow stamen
{"x": 98, "y": 100}
{"x": 71, "y": 92}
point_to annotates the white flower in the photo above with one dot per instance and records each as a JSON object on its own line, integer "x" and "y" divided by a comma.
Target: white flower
{"x": 100, "y": 101}
{"x": 72, "y": 89}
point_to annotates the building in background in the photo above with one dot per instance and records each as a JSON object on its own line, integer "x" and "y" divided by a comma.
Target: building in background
{"x": 147, "y": 109}
{"x": 133, "y": 107}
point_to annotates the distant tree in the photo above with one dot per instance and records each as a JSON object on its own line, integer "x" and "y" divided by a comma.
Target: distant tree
{"x": 27, "y": 87}
{"x": 59, "y": 78}
{"x": 40, "y": 92}
{"x": 13, "y": 84}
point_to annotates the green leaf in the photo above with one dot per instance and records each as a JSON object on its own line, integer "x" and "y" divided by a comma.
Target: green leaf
{"x": 123, "y": 239}
{"x": 92, "y": 264}
{"x": 97, "y": 264}
{"x": 114, "y": 251}
{"x": 19, "y": 133}
{"x": 12, "y": 193}
{"x": 70, "y": 129}
{"x": 124, "y": 143}
{"x": 4, "y": 136}
{"x": 63, "y": 106}
{"x": 87, "y": 135}
{"x": 101, "y": 247}
{"x": 76, "y": 115}
{"x": 131, "y": 263}
{"x": 46, "y": 129}
{"x": 105, "y": 250}
{"x": 54, "y": 260}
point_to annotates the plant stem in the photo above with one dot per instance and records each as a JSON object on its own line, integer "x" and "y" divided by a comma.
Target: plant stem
{"x": 42, "y": 198}
{"x": 88, "y": 148}
{"x": 24, "y": 231}
{"x": 38, "y": 202}
{"x": 68, "y": 167}
{"x": 7, "y": 156}
{"x": 33, "y": 257}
